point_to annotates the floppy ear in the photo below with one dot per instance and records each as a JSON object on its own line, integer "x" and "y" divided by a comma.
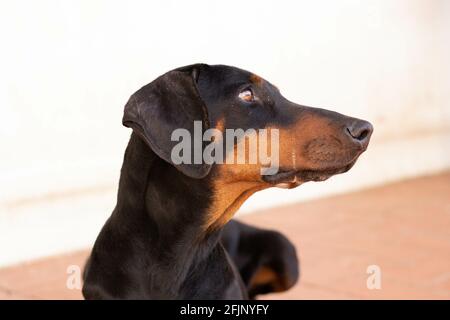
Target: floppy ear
{"x": 170, "y": 102}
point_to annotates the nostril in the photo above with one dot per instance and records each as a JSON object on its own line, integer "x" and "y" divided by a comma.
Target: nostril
{"x": 363, "y": 134}
{"x": 360, "y": 131}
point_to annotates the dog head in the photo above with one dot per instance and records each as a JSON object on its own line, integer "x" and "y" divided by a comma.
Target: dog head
{"x": 311, "y": 144}
{"x": 234, "y": 132}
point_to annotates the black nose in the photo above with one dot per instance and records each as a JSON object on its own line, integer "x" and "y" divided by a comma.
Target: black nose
{"x": 360, "y": 132}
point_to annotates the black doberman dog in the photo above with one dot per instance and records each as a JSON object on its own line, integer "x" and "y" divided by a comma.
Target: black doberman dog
{"x": 170, "y": 234}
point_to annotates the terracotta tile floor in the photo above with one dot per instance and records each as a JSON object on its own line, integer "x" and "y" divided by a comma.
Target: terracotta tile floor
{"x": 404, "y": 228}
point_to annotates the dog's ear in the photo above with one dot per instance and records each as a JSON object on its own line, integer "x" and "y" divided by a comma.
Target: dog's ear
{"x": 170, "y": 102}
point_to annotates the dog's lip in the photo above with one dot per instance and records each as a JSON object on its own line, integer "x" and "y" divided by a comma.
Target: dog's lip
{"x": 292, "y": 178}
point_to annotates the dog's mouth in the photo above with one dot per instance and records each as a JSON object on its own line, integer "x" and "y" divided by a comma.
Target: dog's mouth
{"x": 289, "y": 179}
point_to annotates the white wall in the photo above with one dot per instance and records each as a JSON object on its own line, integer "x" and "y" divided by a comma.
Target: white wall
{"x": 68, "y": 67}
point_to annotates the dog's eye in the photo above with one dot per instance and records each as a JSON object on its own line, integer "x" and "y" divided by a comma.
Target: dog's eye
{"x": 247, "y": 95}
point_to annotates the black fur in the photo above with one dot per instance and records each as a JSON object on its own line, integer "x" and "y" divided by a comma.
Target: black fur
{"x": 154, "y": 245}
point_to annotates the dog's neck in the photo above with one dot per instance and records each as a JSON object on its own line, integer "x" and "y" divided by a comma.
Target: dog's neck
{"x": 181, "y": 217}
{"x": 168, "y": 207}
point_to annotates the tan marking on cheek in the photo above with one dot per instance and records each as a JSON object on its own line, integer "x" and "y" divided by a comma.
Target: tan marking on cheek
{"x": 287, "y": 148}
{"x": 232, "y": 186}
{"x": 234, "y": 183}
{"x": 220, "y": 125}
{"x": 249, "y": 145}
{"x": 227, "y": 202}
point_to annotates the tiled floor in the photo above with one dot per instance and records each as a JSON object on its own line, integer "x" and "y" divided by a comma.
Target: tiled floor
{"x": 404, "y": 228}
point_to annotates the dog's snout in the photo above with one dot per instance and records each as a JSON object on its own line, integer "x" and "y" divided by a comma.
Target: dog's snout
{"x": 360, "y": 131}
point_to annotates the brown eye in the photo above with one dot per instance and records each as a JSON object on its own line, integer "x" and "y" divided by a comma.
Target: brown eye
{"x": 247, "y": 95}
